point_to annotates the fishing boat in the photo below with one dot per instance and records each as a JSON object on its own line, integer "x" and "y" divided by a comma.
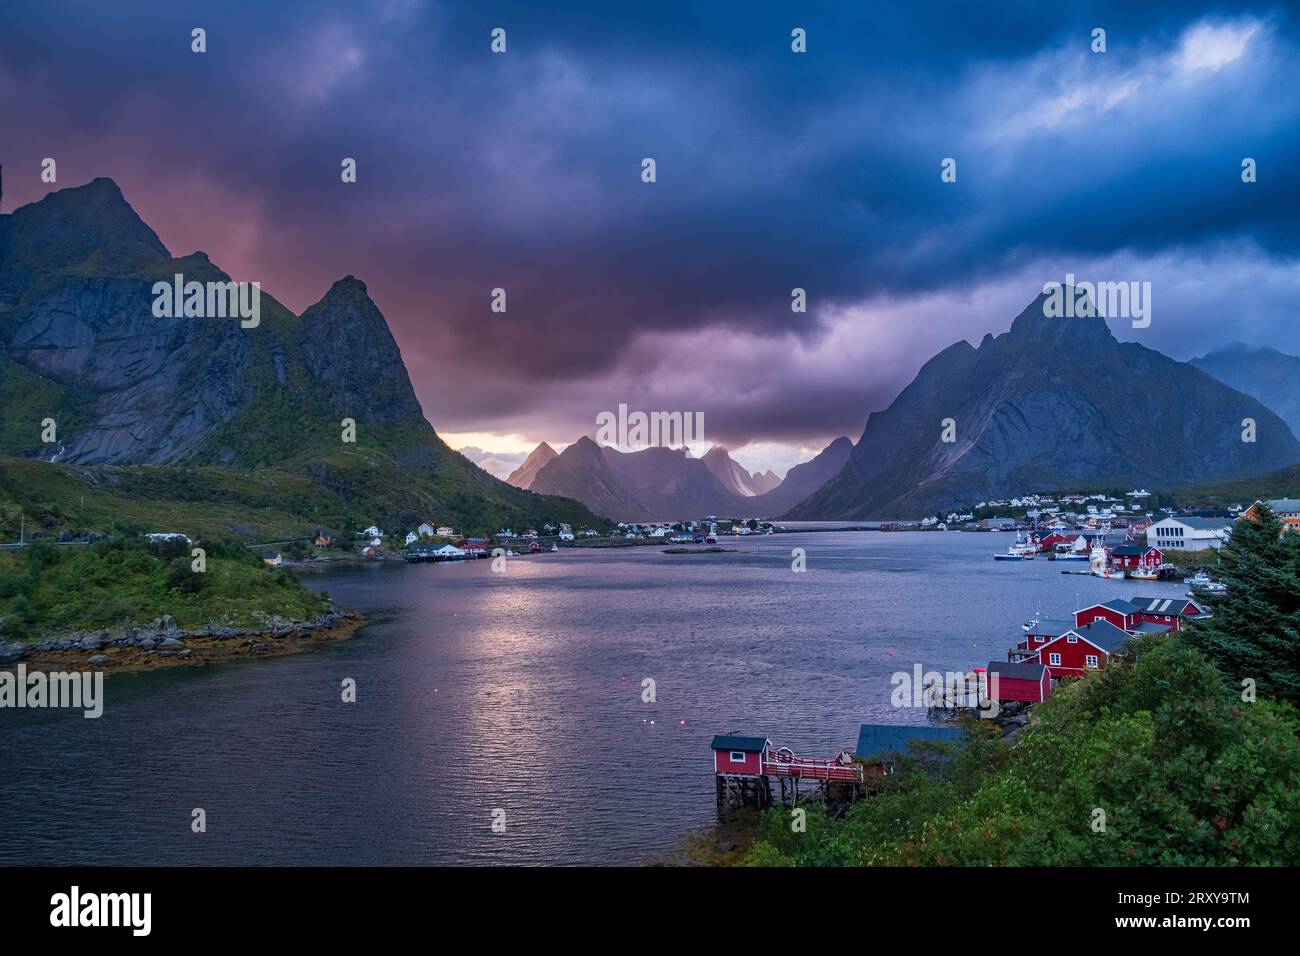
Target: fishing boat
{"x": 1099, "y": 564}
{"x": 1144, "y": 574}
{"x": 1019, "y": 550}
{"x": 1203, "y": 581}
{"x": 1078, "y": 551}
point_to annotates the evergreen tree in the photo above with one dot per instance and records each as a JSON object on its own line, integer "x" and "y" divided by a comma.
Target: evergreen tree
{"x": 1255, "y": 629}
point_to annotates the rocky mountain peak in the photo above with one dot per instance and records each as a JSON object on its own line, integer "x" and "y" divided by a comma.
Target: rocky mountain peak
{"x": 1034, "y": 323}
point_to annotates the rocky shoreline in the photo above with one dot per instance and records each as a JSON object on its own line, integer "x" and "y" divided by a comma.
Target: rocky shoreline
{"x": 163, "y": 644}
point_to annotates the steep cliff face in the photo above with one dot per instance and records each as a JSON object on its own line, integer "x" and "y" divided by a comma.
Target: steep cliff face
{"x": 158, "y": 388}
{"x": 1052, "y": 404}
{"x": 728, "y": 471}
{"x": 80, "y": 342}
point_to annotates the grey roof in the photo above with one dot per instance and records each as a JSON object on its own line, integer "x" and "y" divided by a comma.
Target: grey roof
{"x": 1017, "y": 671}
{"x": 1132, "y": 549}
{"x": 1284, "y": 504}
{"x": 1150, "y": 605}
{"x": 878, "y": 740}
{"x": 1117, "y": 604}
{"x": 1103, "y": 634}
{"x": 1201, "y": 524}
{"x": 1147, "y": 627}
{"x": 733, "y": 742}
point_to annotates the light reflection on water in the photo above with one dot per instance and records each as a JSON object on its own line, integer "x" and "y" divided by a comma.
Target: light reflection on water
{"x": 522, "y": 692}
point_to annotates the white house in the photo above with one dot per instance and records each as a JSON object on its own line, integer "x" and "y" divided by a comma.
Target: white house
{"x": 449, "y": 551}
{"x": 412, "y": 537}
{"x": 426, "y": 530}
{"x": 445, "y": 532}
{"x": 1189, "y": 534}
{"x": 372, "y": 532}
{"x": 566, "y": 535}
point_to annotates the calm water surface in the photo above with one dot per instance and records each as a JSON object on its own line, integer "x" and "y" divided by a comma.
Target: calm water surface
{"x": 519, "y": 691}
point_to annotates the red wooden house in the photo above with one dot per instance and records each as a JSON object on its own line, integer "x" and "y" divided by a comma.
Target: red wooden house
{"x": 739, "y": 756}
{"x": 1052, "y": 539}
{"x": 1039, "y": 632}
{"x": 1083, "y": 649}
{"x": 1028, "y": 681}
{"x": 1173, "y": 612}
{"x": 1133, "y": 557}
{"x": 1119, "y": 613}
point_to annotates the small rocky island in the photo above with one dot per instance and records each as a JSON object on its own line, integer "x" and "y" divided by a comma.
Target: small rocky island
{"x": 125, "y": 604}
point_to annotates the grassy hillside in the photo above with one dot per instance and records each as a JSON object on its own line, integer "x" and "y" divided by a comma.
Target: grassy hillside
{"x": 1284, "y": 483}
{"x": 339, "y": 493}
{"x": 118, "y": 583}
{"x": 1169, "y": 761}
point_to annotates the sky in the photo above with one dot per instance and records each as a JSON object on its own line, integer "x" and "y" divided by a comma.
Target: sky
{"x": 775, "y": 170}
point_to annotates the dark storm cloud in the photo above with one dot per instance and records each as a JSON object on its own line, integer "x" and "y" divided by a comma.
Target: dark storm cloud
{"x": 775, "y": 170}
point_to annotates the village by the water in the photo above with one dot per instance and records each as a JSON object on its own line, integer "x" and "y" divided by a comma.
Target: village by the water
{"x": 1110, "y": 538}
{"x": 1097, "y": 535}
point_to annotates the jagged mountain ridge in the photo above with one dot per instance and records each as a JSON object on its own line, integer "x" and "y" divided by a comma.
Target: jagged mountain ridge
{"x": 662, "y": 484}
{"x": 1051, "y": 404}
{"x": 79, "y": 343}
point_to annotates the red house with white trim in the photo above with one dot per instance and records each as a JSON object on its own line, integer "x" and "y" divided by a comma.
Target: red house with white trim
{"x": 1119, "y": 613}
{"x": 1135, "y": 557}
{"x": 1052, "y": 539}
{"x": 738, "y": 756}
{"x": 1039, "y": 632}
{"x": 1083, "y": 649}
{"x": 1172, "y": 612}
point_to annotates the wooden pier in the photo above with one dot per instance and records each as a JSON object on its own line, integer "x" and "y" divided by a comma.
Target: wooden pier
{"x": 746, "y": 766}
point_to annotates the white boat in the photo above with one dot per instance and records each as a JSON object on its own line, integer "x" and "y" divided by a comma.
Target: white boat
{"x": 1020, "y": 550}
{"x": 1099, "y": 564}
{"x": 1203, "y": 581}
{"x": 1144, "y": 574}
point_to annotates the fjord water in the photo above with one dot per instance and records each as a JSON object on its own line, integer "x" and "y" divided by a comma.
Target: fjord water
{"x": 521, "y": 692}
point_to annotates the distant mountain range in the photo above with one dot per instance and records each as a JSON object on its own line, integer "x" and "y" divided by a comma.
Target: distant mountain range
{"x": 666, "y": 484}
{"x": 1050, "y": 405}
{"x": 1271, "y": 376}
{"x": 80, "y": 343}
{"x": 238, "y": 430}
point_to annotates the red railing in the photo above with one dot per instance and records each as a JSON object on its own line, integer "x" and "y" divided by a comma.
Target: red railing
{"x": 810, "y": 769}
